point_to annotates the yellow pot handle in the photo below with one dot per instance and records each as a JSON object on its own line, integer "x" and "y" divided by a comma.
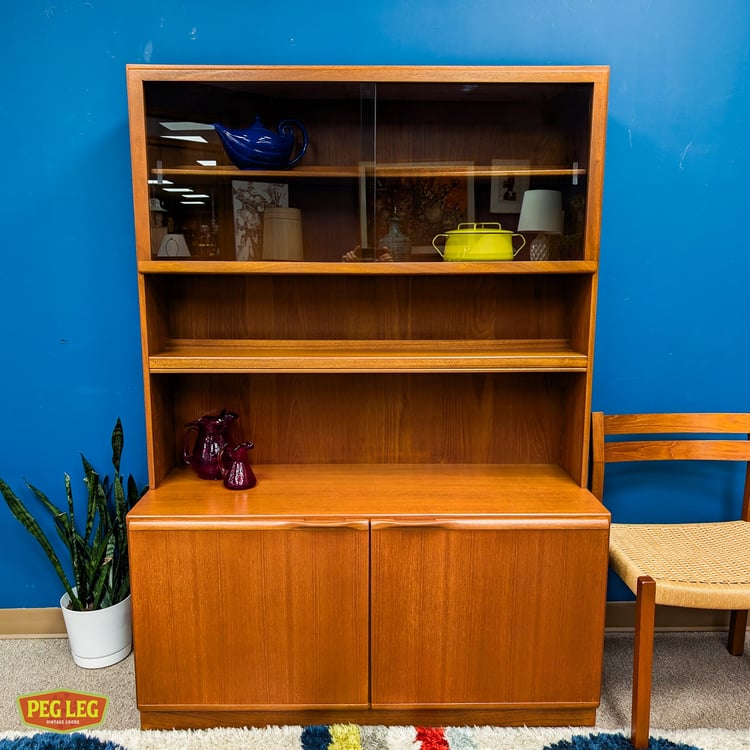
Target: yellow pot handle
{"x": 437, "y": 236}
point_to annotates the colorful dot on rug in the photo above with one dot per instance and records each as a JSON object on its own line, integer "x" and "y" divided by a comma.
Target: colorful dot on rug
{"x": 314, "y": 737}
{"x": 52, "y": 741}
{"x": 432, "y": 738}
{"x": 614, "y": 742}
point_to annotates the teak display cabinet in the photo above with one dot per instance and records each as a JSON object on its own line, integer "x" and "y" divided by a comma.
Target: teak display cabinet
{"x": 421, "y": 546}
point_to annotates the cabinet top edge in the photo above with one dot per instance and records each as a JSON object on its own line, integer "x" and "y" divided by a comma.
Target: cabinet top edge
{"x": 394, "y": 73}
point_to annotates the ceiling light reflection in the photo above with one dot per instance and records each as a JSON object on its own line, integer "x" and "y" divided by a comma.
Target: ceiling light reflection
{"x": 191, "y": 138}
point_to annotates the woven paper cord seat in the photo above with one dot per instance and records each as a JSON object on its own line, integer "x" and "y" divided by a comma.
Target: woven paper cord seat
{"x": 699, "y": 565}
{"x": 702, "y": 565}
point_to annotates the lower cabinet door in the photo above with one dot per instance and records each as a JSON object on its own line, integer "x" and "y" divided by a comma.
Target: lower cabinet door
{"x": 252, "y": 614}
{"x": 467, "y": 612}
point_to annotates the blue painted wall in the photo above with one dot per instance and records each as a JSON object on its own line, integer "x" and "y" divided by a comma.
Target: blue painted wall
{"x": 673, "y": 329}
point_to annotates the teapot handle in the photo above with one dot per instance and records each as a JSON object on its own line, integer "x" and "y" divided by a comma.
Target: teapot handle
{"x": 521, "y": 246}
{"x": 286, "y": 127}
{"x": 437, "y": 236}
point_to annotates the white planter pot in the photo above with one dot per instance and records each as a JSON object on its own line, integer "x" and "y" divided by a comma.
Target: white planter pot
{"x": 100, "y": 637}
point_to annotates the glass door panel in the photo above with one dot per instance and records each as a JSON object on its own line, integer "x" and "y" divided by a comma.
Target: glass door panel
{"x": 294, "y": 147}
{"x": 359, "y": 171}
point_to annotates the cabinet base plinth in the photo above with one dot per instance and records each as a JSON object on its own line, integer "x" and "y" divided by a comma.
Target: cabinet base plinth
{"x": 578, "y": 716}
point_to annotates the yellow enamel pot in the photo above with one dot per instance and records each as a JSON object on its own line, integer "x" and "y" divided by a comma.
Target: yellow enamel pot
{"x": 478, "y": 241}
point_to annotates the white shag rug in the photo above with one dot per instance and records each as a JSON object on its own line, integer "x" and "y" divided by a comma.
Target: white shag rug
{"x": 392, "y": 738}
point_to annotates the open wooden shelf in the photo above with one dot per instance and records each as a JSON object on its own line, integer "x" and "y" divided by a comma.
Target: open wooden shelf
{"x": 427, "y": 268}
{"x": 426, "y": 493}
{"x": 367, "y": 356}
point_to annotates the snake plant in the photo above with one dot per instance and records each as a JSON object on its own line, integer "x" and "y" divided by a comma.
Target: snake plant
{"x": 98, "y": 554}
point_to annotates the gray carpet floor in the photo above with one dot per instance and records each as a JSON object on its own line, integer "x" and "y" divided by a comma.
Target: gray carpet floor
{"x": 697, "y": 683}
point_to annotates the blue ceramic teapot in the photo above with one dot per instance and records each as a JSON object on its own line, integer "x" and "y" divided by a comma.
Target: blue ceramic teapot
{"x": 257, "y": 147}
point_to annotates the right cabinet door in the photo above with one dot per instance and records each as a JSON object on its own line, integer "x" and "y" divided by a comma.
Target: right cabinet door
{"x": 486, "y": 612}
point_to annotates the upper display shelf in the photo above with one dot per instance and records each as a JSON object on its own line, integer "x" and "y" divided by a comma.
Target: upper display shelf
{"x": 314, "y": 165}
{"x": 384, "y": 171}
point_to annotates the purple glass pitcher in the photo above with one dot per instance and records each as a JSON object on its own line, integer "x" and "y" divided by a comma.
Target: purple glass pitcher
{"x": 235, "y": 467}
{"x": 211, "y": 436}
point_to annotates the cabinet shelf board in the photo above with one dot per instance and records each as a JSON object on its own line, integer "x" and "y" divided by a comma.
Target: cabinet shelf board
{"x": 384, "y": 170}
{"x": 312, "y": 172}
{"x": 230, "y": 355}
{"x": 426, "y": 494}
{"x": 427, "y": 268}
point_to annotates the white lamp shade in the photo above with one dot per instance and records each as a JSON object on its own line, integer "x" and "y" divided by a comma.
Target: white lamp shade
{"x": 541, "y": 211}
{"x": 173, "y": 246}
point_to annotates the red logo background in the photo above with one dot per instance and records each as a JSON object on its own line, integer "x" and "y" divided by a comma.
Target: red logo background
{"x": 62, "y": 710}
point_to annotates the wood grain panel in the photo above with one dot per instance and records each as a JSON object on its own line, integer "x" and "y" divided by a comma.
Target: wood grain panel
{"x": 477, "y": 615}
{"x": 253, "y": 616}
{"x": 387, "y": 418}
{"x": 335, "y": 307}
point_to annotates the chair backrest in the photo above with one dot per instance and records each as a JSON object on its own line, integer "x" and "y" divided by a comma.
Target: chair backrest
{"x": 664, "y": 437}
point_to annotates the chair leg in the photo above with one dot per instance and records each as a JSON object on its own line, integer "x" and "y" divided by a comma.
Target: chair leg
{"x": 737, "y": 627}
{"x": 643, "y": 659}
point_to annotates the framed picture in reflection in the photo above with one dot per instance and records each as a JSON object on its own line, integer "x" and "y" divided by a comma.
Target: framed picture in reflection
{"x": 508, "y": 185}
{"x": 427, "y": 197}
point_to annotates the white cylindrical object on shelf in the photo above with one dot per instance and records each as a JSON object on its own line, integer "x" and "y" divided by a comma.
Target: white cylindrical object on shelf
{"x": 282, "y": 234}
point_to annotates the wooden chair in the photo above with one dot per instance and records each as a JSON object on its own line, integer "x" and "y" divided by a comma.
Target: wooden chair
{"x": 700, "y": 565}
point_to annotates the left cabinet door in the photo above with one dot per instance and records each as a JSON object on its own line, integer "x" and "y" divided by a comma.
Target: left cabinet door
{"x": 252, "y": 614}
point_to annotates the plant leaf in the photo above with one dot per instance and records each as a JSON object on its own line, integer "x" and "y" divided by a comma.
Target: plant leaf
{"x": 99, "y": 557}
{"x": 118, "y": 441}
{"x": 22, "y": 514}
